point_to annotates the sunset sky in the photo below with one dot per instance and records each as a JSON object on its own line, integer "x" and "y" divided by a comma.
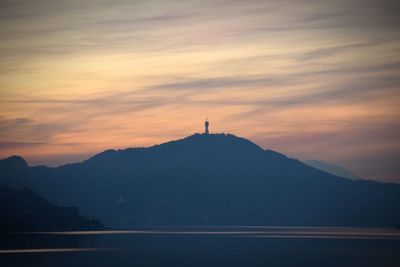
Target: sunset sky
{"x": 311, "y": 79}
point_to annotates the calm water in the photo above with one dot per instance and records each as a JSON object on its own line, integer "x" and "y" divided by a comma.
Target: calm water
{"x": 205, "y": 246}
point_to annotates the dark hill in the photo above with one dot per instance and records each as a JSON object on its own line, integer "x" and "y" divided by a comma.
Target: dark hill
{"x": 24, "y": 210}
{"x": 13, "y": 163}
{"x": 213, "y": 179}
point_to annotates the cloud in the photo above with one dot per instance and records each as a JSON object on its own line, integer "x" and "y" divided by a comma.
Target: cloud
{"x": 334, "y": 50}
{"x": 13, "y": 145}
{"x": 211, "y": 83}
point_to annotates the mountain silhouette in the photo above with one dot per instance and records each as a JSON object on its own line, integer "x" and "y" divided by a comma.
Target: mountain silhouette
{"x": 208, "y": 179}
{"x": 24, "y": 210}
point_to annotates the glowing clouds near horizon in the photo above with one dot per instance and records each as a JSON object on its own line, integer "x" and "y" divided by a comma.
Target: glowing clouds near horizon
{"x": 311, "y": 79}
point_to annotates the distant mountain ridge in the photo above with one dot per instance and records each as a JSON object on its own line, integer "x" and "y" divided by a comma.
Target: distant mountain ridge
{"x": 331, "y": 168}
{"x": 215, "y": 179}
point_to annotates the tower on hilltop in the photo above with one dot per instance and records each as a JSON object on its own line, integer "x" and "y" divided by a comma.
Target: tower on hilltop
{"x": 206, "y": 123}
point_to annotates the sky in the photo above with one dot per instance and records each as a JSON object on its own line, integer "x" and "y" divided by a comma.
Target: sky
{"x": 312, "y": 79}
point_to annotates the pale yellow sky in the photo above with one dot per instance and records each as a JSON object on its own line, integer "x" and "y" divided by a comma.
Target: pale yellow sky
{"x": 310, "y": 79}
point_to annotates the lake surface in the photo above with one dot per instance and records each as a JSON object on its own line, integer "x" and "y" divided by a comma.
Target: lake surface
{"x": 204, "y": 246}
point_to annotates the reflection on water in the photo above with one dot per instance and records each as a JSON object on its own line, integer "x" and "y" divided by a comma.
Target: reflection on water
{"x": 48, "y": 250}
{"x": 277, "y": 232}
{"x": 205, "y": 246}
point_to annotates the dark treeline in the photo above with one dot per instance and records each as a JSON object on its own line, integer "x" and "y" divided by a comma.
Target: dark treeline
{"x": 24, "y": 210}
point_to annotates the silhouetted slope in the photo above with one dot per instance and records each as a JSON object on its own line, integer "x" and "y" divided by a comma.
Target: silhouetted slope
{"x": 331, "y": 168}
{"x": 24, "y": 210}
{"x": 13, "y": 163}
{"x": 213, "y": 179}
